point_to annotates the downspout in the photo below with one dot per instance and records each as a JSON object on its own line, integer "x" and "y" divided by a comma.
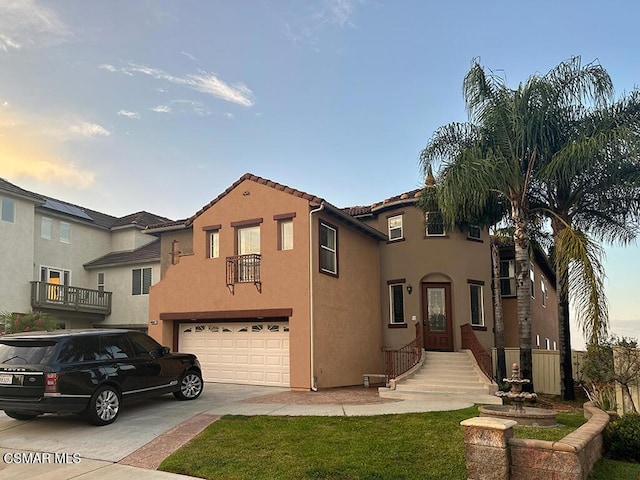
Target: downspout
{"x": 311, "y": 333}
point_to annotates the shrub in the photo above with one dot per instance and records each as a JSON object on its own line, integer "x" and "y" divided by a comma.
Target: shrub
{"x": 34, "y": 321}
{"x": 622, "y": 438}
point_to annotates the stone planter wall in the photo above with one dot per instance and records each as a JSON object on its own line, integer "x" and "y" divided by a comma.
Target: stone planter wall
{"x": 490, "y": 447}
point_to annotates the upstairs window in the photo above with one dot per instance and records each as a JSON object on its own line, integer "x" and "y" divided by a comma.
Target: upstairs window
{"x": 477, "y": 305}
{"x": 474, "y": 232}
{"x": 395, "y": 227}
{"x": 286, "y": 234}
{"x": 508, "y": 278}
{"x": 141, "y": 281}
{"x": 328, "y": 249}
{"x": 46, "y": 228}
{"x": 396, "y": 303}
{"x": 214, "y": 244}
{"x": 435, "y": 225}
{"x": 65, "y": 232}
{"x": 543, "y": 292}
{"x": 532, "y": 280}
{"x": 8, "y": 210}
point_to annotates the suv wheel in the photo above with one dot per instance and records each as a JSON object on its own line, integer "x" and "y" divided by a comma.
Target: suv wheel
{"x": 20, "y": 415}
{"x": 104, "y": 406}
{"x": 190, "y": 386}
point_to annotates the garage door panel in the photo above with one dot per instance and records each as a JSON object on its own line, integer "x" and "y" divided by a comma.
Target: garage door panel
{"x": 252, "y": 352}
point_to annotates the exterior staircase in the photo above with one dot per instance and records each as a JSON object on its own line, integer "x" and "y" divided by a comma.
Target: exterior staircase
{"x": 445, "y": 376}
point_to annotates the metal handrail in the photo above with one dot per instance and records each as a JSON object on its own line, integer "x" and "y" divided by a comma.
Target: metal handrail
{"x": 400, "y": 360}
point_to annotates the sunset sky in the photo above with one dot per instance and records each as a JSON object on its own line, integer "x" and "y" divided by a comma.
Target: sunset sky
{"x": 129, "y": 105}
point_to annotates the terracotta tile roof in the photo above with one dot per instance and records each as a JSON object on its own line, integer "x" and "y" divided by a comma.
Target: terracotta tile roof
{"x": 313, "y": 200}
{"x": 147, "y": 253}
{"x": 361, "y": 210}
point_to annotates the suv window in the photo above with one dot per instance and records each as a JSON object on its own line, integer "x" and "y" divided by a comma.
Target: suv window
{"x": 144, "y": 345}
{"x": 115, "y": 346}
{"x": 26, "y": 352}
{"x": 79, "y": 349}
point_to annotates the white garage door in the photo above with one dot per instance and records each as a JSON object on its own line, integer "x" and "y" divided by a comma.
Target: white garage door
{"x": 255, "y": 353}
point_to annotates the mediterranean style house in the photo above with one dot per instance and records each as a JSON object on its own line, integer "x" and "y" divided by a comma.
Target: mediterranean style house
{"x": 85, "y": 268}
{"x": 271, "y": 285}
{"x": 268, "y": 284}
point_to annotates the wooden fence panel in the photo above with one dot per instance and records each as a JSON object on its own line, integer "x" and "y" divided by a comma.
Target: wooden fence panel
{"x": 546, "y": 367}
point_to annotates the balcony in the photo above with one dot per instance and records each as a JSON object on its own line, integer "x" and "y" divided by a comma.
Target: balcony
{"x": 244, "y": 269}
{"x": 65, "y": 297}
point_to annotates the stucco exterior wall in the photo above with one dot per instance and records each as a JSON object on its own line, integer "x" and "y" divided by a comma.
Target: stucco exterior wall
{"x": 87, "y": 243}
{"x": 129, "y": 238}
{"x": 185, "y": 246}
{"x": 18, "y": 260}
{"x": 417, "y": 259}
{"x": 198, "y": 283}
{"x": 127, "y": 309}
{"x": 346, "y": 326}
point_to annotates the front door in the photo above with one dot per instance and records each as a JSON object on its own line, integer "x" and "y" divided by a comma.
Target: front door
{"x": 436, "y": 316}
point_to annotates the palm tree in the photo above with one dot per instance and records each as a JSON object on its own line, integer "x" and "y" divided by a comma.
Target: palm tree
{"x": 589, "y": 188}
{"x": 548, "y": 155}
{"x": 492, "y": 155}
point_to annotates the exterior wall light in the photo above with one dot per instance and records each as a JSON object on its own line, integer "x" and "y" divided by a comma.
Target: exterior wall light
{"x": 409, "y": 289}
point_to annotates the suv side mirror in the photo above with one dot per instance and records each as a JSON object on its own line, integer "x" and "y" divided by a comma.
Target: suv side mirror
{"x": 165, "y": 351}
{"x": 159, "y": 352}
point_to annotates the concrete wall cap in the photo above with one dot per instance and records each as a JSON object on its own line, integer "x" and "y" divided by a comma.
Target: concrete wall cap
{"x": 489, "y": 423}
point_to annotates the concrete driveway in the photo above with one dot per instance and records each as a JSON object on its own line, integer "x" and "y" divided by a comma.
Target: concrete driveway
{"x": 138, "y": 424}
{"x": 88, "y": 448}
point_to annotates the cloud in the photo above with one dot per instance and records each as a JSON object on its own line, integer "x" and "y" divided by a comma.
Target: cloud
{"x": 128, "y": 114}
{"x": 162, "y": 109}
{"x": 204, "y": 82}
{"x": 27, "y": 24}
{"x": 190, "y": 57}
{"x": 307, "y": 28}
{"x": 86, "y": 129}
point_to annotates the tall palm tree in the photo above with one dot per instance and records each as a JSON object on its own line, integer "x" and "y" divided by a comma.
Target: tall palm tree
{"x": 492, "y": 155}
{"x": 589, "y": 189}
{"x": 555, "y": 147}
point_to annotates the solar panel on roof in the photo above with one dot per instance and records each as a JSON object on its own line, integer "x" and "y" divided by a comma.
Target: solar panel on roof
{"x": 67, "y": 209}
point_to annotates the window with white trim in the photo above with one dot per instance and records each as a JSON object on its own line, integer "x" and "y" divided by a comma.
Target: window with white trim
{"x": 214, "y": 244}
{"x": 435, "y": 225}
{"x": 547, "y": 343}
{"x": 46, "y": 228}
{"x": 396, "y": 303}
{"x": 394, "y": 225}
{"x": 65, "y": 232}
{"x": 507, "y": 278}
{"x": 477, "y": 305}
{"x": 141, "y": 281}
{"x": 543, "y": 291}
{"x": 100, "y": 281}
{"x": 286, "y": 234}
{"x": 8, "y": 209}
{"x": 532, "y": 280}
{"x": 328, "y": 249}
{"x": 474, "y": 232}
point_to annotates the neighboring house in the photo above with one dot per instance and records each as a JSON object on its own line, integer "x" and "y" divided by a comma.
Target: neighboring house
{"x": 271, "y": 285}
{"x": 544, "y": 300}
{"x": 84, "y": 267}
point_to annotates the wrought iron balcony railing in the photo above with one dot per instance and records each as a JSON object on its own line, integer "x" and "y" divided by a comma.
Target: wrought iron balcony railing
{"x": 244, "y": 269}
{"x": 65, "y": 297}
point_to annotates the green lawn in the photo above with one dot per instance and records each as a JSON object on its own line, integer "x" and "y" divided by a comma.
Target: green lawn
{"x": 395, "y": 447}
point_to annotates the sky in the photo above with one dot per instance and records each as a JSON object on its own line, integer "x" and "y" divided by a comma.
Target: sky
{"x": 160, "y": 105}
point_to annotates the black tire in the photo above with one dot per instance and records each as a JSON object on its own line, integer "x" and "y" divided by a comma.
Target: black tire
{"x": 104, "y": 406}
{"x": 21, "y": 415}
{"x": 191, "y": 386}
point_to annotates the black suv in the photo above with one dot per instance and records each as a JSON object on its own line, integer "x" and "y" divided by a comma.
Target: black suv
{"x": 89, "y": 372}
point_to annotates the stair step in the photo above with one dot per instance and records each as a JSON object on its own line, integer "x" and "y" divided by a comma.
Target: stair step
{"x": 481, "y": 398}
{"x": 440, "y": 388}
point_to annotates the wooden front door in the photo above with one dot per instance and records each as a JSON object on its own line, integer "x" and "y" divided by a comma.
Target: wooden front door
{"x": 436, "y": 316}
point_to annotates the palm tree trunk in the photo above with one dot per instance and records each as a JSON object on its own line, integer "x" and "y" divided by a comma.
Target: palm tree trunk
{"x": 564, "y": 331}
{"x": 501, "y": 367}
{"x": 523, "y": 291}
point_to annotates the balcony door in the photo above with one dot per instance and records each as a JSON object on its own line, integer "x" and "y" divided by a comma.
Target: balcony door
{"x": 248, "y": 248}
{"x": 437, "y": 316}
{"x": 57, "y": 279}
